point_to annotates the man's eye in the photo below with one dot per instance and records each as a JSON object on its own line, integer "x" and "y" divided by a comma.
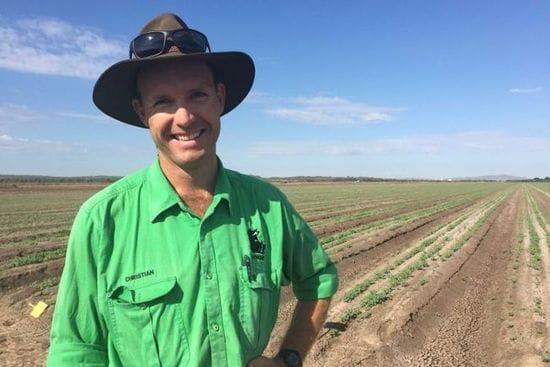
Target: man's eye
{"x": 161, "y": 102}
{"x": 198, "y": 94}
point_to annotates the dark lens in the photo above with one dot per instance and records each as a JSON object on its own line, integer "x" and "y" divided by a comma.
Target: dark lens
{"x": 189, "y": 41}
{"x": 148, "y": 44}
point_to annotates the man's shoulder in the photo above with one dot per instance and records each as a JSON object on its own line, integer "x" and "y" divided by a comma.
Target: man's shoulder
{"x": 252, "y": 184}
{"x": 118, "y": 189}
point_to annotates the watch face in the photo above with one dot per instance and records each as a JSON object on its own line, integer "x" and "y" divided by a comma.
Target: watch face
{"x": 291, "y": 358}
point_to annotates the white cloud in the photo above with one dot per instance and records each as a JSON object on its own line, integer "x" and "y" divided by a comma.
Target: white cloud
{"x": 467, "y": 142}
{"x": 23, "y": 145}
{"x": 54, "y": 47}
{"x": 321, "y": 110}
{"x": 14, "y": 113}
{"x": 259, "y": 97}
{"x": 6, "y": 138}
{"x": 525, "y": 90}
{"x": 85, "y": 116}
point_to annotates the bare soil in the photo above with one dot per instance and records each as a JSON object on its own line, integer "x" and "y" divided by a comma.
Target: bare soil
{"x": 476, "y": 308}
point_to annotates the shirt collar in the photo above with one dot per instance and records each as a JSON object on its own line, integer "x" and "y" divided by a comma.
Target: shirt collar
{"x": 222, "y": 190}
{"x": 162, "y": 195}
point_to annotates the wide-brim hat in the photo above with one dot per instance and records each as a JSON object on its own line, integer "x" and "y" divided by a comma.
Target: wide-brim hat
{"x": 116, "y": 87}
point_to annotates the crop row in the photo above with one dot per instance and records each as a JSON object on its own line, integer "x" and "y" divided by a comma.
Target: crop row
{"x": 391, "y": 223}
{"x": 399, "y": 271}
{"x": 385, "y": 204}
{"x": 360, "y": 194}
{"x": 431, "y": 238}
{"x": 534, "y": 239}
{"x": 33, "y": 258}
{"x": 41, "y": 217}
{"x": 535, "y": 220}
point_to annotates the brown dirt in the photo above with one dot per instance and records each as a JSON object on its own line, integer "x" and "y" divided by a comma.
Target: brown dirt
{"x": 365, "y": 255}
{"x": 24, "y": 340}
{"x": 23, "y": 275}
{"x": 475, "y": 309}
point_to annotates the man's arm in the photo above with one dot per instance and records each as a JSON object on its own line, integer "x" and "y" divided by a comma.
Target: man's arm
{"x": 307, "y": 321}
{"x": 314, "y": 281}
{"x": 78, "y": 333}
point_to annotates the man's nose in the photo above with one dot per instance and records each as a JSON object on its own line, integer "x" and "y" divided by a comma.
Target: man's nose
{"x": 183, "y": 115}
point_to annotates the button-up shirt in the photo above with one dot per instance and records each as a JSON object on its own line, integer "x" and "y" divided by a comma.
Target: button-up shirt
{"x": 149, "y": 283}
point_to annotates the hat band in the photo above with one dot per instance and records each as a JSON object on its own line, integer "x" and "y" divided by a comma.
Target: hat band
{"x": 156, "y": 43}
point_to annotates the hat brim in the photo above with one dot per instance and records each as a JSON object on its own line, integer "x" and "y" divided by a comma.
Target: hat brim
{"x": 115, "y": 88}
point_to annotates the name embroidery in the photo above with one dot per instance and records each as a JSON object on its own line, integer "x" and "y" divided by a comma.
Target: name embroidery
{"x": 136, "y": 276}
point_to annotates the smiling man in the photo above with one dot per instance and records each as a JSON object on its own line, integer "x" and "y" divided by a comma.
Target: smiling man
{"x": 181, "y": 105}
{"x": 181, "y": 263}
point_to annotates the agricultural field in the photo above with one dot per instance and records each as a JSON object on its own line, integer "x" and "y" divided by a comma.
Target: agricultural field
{"x": 432, "y": 274}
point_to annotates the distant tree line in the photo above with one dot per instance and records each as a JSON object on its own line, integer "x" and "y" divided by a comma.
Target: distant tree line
{"x": 378, "y": 179}
{"x": 107, "y": 179}
{"x": 334, "y": 179}
{"x": 55, "y": 179}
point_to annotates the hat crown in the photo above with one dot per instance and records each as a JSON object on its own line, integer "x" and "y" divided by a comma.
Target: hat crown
{"x": 164, "y": 22}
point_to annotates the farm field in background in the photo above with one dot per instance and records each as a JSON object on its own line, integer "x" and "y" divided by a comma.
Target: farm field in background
{"x": 432, "y": 273}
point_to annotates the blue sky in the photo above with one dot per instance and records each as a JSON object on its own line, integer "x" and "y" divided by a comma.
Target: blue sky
{"x": 397, "y": 89}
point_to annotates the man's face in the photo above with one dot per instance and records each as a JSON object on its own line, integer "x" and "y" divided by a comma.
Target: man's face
{"x": 181, "y": 105}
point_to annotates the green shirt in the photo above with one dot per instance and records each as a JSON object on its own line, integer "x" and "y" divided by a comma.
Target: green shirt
{"x": 148, "y": 283}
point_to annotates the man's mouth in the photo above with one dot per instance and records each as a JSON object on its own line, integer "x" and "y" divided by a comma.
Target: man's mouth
{"x": 187, "y": 137}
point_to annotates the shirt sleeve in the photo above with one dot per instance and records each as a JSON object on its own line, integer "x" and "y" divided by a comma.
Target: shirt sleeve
{"x": 306, "y": 264}
{"x": 78, "y": 334}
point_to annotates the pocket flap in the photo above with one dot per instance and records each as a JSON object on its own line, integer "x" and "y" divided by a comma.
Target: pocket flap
{"x": 144, "y": 292}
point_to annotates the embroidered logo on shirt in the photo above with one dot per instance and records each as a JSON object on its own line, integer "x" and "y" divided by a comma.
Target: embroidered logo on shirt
{"x": 143, "y": 274}
{"x": 256, "y": 246}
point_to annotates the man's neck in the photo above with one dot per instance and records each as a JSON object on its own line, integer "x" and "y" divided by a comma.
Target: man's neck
{"x": 194, "y": 184}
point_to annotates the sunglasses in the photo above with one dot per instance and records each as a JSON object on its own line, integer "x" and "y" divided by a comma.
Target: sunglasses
{"x": 155, "y": 43}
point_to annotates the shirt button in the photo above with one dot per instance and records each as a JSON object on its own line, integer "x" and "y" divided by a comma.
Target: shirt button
{"x": 208, "y": 275}
{"x": 215, "y": 327}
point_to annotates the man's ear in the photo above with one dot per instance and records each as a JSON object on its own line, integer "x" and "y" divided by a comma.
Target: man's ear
{"x": 220, "y": 93}
{"x": 138, "y": 108}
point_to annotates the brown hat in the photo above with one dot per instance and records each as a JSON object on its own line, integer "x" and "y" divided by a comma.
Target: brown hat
{"x": 116, "y": 87}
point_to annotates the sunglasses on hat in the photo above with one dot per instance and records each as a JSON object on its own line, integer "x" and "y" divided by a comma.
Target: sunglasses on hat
{"x": 155, "y": 43}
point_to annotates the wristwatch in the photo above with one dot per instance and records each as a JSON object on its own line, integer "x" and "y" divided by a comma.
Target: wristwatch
{"x": 291, "y": 358}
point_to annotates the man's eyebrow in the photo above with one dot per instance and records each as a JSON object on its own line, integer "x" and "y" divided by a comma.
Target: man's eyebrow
{"x": 157, "y": 97}
{"x": 200, "y": 88}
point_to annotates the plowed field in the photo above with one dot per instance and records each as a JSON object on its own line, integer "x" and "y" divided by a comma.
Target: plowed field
{"x": 432, "y": 274}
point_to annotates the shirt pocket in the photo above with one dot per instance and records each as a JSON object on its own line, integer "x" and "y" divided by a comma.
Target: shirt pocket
{"x": 259, "y": 306}
{"x": 147, "y": 325}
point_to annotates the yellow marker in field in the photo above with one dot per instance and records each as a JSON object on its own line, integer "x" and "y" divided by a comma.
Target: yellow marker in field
{"x": 38, "y": 309}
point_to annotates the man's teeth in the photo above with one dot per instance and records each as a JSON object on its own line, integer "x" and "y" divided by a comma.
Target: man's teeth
{"x": 188, "y": 137}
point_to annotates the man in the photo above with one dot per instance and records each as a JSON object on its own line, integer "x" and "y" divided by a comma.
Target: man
{"x": 180, "y": 264}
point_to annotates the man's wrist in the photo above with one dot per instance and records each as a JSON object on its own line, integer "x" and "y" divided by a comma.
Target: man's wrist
{"x": 290, "y": 358}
